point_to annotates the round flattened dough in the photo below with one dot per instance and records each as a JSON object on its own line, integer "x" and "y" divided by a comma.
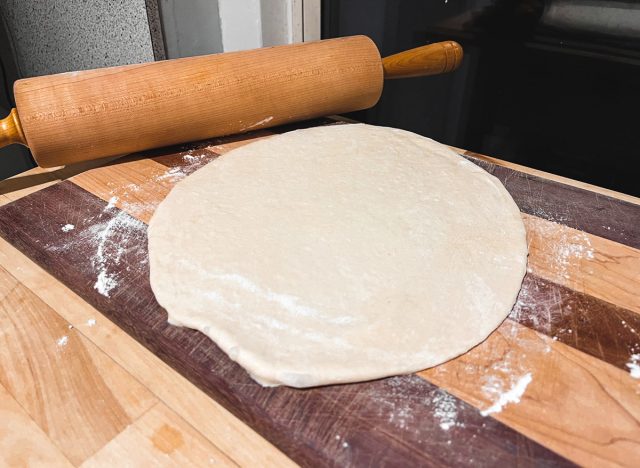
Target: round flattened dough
{"x": 338, "y": 254}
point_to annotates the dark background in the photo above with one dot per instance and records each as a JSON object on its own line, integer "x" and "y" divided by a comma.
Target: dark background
{"x": 553, "y": 85}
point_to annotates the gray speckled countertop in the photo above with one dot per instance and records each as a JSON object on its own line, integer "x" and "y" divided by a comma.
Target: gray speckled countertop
{"x": 56, "y": 36}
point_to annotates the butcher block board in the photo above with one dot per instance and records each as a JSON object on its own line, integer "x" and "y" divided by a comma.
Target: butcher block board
{"x": 560, "y": 377}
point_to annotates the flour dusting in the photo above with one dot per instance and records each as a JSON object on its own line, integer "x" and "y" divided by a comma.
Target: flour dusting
{"x": 63, "y": 340}
{"x": 67, "y": 228}
{"x": 111, "y": 203}
{"x": 398, "y": 399}
{"x": 109, "y": 252}
{"x": 174, "y": 173}
{"x": 513, "y": 395}
{"x": 91, "y": 322}
{"x": 634, "y": 366}
{"x": 569, "y": 247}
{"x": 445, "y": 410}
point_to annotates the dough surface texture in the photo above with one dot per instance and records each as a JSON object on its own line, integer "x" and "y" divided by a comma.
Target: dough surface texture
{"x": 338, "y": 254}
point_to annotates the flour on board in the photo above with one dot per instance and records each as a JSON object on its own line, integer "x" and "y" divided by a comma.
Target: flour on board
{"x": 109, "y": 253}
{"x": 512, "y": 396}
{"x": 445, "y": 410}
{"x": 114, "y": 233}
{"x": 634, "y": 366}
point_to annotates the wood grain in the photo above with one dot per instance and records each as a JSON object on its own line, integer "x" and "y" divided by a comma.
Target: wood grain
{"x": 432, "y": 59}
{"x": 584, "y": 262}
{"x": 219, "y": 426}
{"x": 576, "y": 405}
{"x": 84, "y": 115}
{"x": 10, "y": 130}
{"x": 22, "y": 442}
{"x": 304, "y": 424}
{"x": 588, "y": 324}
{"x": 68, "y": 387}
{"x": 134, "y": 186}
{"x": 577, "y": 208}
{"x": 159, "y": 438}
{"x": 574, "y": 334}
{"x": 549, "y": 176}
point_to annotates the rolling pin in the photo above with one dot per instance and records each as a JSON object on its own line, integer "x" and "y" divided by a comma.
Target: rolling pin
{"x": 79, "y": 116}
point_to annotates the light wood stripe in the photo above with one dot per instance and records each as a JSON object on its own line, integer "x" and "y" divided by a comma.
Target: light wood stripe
{"x": 576, "y": 405}
{"x": 70, "y": 388}
{"x": 232, "y": 436}
{"x": 159, "y": 438}
{"x": 134, "y": 186}
{"x": 22, "y": 442}
{"x": 584, "y": 262}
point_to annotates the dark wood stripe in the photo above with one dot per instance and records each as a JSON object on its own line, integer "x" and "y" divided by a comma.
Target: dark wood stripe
{"x": 593, "y": 326}
{"x": 387, "y": 422}
{"x": 578, "y": 208}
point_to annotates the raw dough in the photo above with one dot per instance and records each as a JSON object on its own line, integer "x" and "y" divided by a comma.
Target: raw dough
{"x": 338, "y": 254}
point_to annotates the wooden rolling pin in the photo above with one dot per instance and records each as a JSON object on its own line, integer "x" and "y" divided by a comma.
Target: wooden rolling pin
{"x": 78, "y": 116}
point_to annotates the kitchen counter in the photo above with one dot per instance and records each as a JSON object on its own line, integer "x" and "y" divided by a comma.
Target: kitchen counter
{"x": 86, "y": 380}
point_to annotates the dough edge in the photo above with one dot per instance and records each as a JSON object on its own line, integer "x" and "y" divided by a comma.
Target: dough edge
{"x": 261, "y": 370}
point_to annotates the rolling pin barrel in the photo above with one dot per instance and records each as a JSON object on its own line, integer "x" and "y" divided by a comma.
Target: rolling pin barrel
{"x": 78, "y": 116}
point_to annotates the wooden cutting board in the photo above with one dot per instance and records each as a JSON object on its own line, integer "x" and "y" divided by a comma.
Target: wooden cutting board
{"x": 568, "y": 352}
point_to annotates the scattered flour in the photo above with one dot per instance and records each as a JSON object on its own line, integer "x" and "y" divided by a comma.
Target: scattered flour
{"x": 628, "y": 327}
{"x": 344, "y": 443}
{"x": 67, "y": 228}
{"x": 91, "y": 322}
{"x": 105, "y": 283}
{"x": 568, "y": 246}
{"x": 192, "y": 158}
{"x": 634, "y": 366}
{"x": 63, "y": 340}
{"x": 511, "y": 396}
{"x": 445, "y": 410}
{"x": 567, "y": 251}
{"x": 398, "y": 397}
{"x": 105, "y": 256}
{"x": 395, "y": 399}
{"x": 174, "y": 173}
{"x": 110, "y": 237}
{"x": 112, "y": 203}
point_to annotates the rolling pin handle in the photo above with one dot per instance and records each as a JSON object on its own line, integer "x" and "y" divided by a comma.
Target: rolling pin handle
{"x": 432, "y": 59}
{"x": 11, "y": 131}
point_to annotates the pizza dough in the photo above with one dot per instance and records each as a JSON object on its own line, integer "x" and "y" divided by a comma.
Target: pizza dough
{"x": 338, "y": 254}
